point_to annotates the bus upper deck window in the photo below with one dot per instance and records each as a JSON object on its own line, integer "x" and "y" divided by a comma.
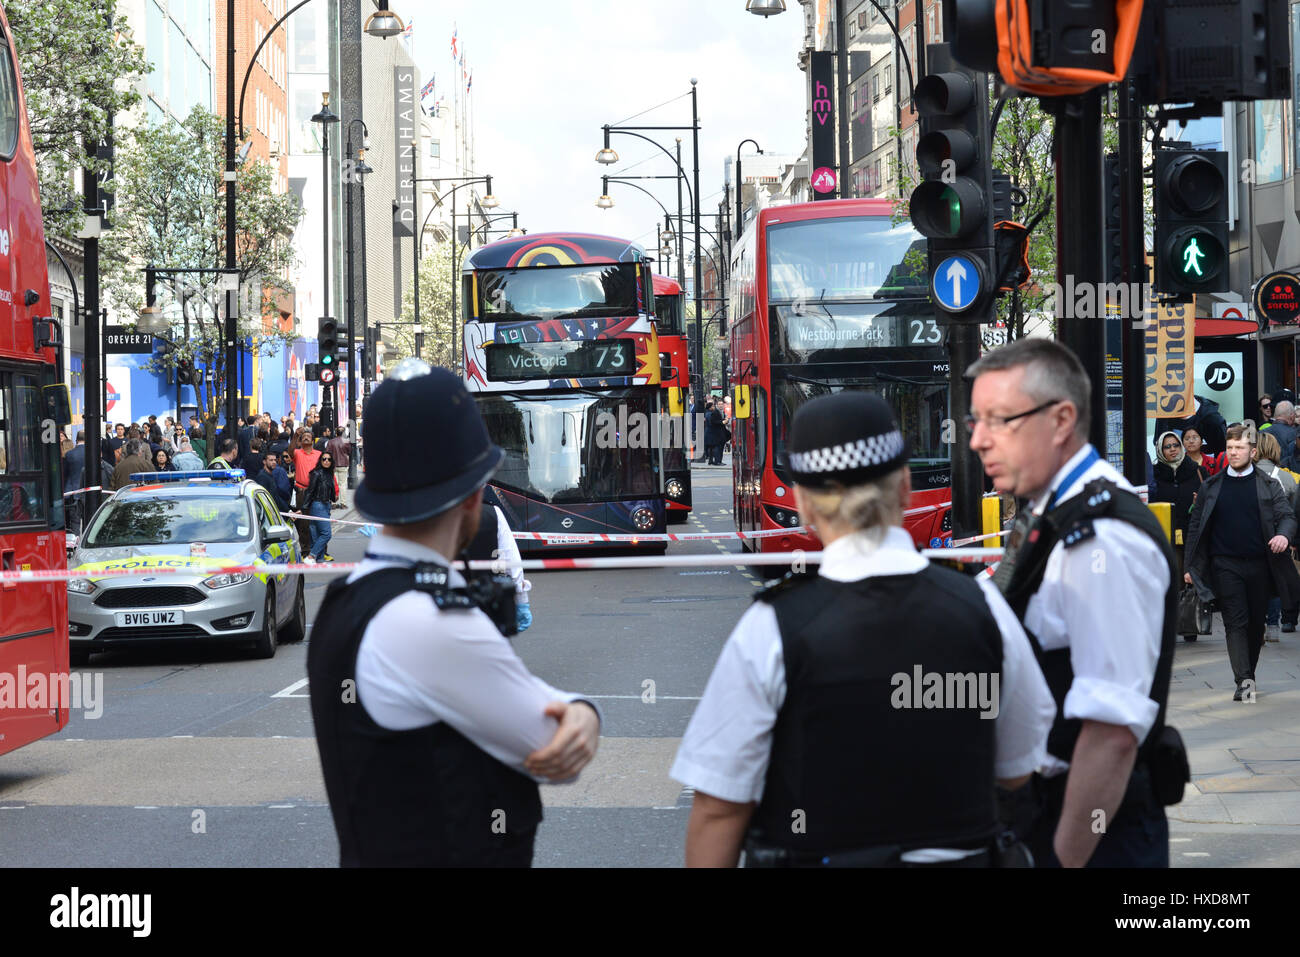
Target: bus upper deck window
{"x": 8, "y": 104}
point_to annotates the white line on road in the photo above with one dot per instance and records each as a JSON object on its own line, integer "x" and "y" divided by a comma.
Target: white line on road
{"x": 146, "y": 807}
{"x": 1180, "y": 840}
{"x": 280, "y": 805}
{"x": 289, "y": 691}
{"x": 1195, "y": 854}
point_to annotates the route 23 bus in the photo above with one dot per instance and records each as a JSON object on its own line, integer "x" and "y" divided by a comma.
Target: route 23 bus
{"x": 33, "y": 615}
{"x": 828, "y": 296}
{"x": 562, "y": 356}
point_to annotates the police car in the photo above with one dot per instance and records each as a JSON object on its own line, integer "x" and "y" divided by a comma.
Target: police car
{"x": 192, "y": 523}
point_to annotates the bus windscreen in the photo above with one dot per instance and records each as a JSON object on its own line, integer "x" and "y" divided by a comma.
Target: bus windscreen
{"x": 559, "y": 292}
{"x": 849, "y": 258}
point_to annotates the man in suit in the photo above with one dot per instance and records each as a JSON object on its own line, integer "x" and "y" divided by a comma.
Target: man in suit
{"x": 1238, "y": 551}
{"x": 74, "y": 472}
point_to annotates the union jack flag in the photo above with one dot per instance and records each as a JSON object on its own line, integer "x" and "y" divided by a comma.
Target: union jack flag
{"x": 470, "y": 81}
{"x": 427, "y": 88}
{"x": 406, "y": 31}
{"x": 454, "y": 32}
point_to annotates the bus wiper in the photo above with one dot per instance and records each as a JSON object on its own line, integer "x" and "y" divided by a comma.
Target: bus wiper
{"x": 889, "y": 377}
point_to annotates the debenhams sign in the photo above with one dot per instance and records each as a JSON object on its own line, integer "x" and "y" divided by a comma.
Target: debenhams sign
{"x": 404, "y": 132}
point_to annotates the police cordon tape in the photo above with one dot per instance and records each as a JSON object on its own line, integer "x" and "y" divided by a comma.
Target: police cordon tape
{"x": 329, "y": 569}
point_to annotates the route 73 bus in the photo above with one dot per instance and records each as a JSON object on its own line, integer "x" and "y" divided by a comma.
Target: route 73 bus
{"x": 33, "y": 615}
{"x": 562, "y": 356}
{"x": 670, "y": 324}
{"x": 828, "y": 296}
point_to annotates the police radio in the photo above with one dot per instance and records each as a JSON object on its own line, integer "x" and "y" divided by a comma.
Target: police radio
{"x": 493, "y": 594}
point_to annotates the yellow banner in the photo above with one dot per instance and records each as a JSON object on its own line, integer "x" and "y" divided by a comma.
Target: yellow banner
{"x": 1170, "y": 340}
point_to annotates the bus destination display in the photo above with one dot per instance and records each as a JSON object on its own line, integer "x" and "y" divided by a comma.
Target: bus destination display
{"x": 515, "y": 361}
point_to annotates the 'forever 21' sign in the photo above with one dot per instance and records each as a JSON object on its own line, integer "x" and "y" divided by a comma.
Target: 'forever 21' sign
{"x": 118, "y": 340}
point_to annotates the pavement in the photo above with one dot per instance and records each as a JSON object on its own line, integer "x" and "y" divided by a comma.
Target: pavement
{"x": 1243, "y": 804}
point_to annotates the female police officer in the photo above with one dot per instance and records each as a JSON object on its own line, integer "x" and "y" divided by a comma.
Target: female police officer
{"x": 861, "y": 716}
{"x": 430, "y": 728}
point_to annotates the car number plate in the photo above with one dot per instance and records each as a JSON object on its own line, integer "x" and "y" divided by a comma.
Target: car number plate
{"x": 135, "y": 619}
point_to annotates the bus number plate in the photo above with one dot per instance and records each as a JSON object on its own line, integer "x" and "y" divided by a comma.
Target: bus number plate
{"x": 135, "y": 619}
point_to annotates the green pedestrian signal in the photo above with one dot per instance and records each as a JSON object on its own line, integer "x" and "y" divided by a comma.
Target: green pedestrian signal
{"x": 1196, "y": 256}
{"x": 1192, "y": 256}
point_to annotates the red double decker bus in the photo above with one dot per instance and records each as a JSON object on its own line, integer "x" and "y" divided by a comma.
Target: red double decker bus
{"x": 33, "y": 615}
{"x": 674, "y": 377}
{"x": 824, "y": 297}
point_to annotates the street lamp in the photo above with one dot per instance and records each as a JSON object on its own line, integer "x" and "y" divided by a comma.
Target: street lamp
{"x": 740, "y": 186}
{"x": 384, "y": 23}
{"x": 765, "y": 8}
{"x": 326, "y": 118}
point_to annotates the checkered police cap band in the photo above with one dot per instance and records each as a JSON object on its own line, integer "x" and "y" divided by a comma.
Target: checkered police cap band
{"x": 864, "y": 453}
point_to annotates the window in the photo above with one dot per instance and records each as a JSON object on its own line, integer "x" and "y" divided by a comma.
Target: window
{"x": 1270, "y": 139}
{"x": 22, "y": 481}
{"x": 875, "y": 88}
{"x": 155, "y": 45}
{"x": 268, "y": 516}
{"x": 435, "y": 149}
{"x": 889, "y": 77}
{"x": 8, "y": 102}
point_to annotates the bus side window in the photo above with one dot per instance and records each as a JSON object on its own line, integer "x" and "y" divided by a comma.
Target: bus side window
{"x": 8, "y": 103}
{"x": 22, "y": 487}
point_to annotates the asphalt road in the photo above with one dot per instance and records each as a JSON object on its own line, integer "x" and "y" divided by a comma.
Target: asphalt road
{"x": 206, "y": 758}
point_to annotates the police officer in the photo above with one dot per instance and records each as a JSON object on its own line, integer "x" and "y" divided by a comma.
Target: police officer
{"x": 1090, "y": 573}
{"x": 430, "y": 729}
{"x": 862, "y": 715}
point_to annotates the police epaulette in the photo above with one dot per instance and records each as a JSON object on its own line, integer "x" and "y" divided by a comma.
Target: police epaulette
{"x": 784, "y": 584}
{"x": 1081, "y": 531}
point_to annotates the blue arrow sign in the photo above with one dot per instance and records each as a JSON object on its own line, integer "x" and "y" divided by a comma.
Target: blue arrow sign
{"x": 956, "y": 283}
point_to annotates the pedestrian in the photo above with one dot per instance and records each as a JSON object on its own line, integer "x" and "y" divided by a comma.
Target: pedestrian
{"x": 1089, "y": 571}
{"x": 1177, "y": 480}
{"x": 494, "y": 541}
{"x": 321, "y": 493}
{"x": 198, "y": 443}
{"x": 228, "y": 452}
{"x": 799, "y": 745}
{"x": 1265, "y": 410}
{"x": 714, "y": 434}
{"x": 434, "y": 760}
{"x": 1238, "y": 554}
{"x": 119, "y": 437}
{"x": 74, "y": 476}
{"x": 1207, "y": 464}
{"x": 277, "y": 441}
{"x": 162, "y": 461}
{"x": 341, "y": 449}
{"x": 698, "y": 412}
{"x": 187, "y": 460}
{"x": 275, "y": 480}
{"x": 252, "y": 462}
{"x": 135, "y": 459}
{"x": 1205, "y": 418}
{"x": 304, "y": 460}
{"x": 1283, "y": 429}
{"x": 1265, "y": 456}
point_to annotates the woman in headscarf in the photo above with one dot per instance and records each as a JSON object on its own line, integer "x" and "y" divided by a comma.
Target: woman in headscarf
{"x": 1177, "y": 480}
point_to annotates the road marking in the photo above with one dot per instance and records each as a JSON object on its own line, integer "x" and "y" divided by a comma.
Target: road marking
{"x": 146, "y": 807}
{"x": 1195, "y": 854}
{"x": 1180, "y": 840}
{"x": 182, "y": 735}
{"x": 289, "y": 691}
{"x": 13, "y": 807}
{"x": 281, "y": 805}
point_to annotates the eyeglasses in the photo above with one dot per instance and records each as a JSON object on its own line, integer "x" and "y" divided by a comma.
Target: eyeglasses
{"x": 1172, "y": 445}
{"x": 999, "y": 423}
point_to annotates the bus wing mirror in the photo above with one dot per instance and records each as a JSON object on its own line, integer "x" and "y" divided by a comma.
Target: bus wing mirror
{"x": 675, "y": 406}
{"x": 740, "y": 402}
{"x": 58, "y": 405}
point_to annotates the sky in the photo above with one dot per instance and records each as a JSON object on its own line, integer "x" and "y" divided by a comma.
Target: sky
{"x": 548, "y": 75}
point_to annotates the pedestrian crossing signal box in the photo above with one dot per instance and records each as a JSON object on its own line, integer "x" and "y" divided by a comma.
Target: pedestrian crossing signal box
{"x": 1191, "y": 221}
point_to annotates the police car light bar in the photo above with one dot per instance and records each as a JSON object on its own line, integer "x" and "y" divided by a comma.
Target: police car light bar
{"x": 215, "y": 475}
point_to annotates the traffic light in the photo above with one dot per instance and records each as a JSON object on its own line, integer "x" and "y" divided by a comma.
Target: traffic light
{"x": 953, "y": 206}
{"x": 185, "y": 372}
{"x": 327, "y": 343}
{"x": 311, "y": 372}
{"x": 1191, "y": 221}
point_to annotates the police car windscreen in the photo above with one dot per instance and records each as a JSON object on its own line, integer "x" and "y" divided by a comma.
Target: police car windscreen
{"x": 559, "y": 292}
{"x": 855, "y": 257}
{"x": 167, "y": 521}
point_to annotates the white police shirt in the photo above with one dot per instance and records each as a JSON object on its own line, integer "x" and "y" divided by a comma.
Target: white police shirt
{"x": 1104, "y": 599}
{"x": 418, "y": 665}
{"x": 728, "y": 743}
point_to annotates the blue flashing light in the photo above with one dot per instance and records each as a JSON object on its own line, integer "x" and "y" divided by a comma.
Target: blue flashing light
{"x": 214, "y": 475}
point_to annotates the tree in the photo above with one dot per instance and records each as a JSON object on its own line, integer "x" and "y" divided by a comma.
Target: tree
{"x": 172, "y": 215}
{"x": 441, "y": 328}
{"x": 77, "y": 72}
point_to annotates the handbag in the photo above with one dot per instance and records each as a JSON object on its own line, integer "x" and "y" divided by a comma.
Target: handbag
{"x": 1189, "y": 612}
{"x": 1204, "y": 618}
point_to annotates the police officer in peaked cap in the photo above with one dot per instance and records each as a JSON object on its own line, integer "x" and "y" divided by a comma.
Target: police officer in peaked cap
{"x": 862, "y": 715}
{"x": 432, "y": 733}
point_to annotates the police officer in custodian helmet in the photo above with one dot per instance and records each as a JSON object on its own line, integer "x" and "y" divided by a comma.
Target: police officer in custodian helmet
{"x": 862, "y": 715}
{"x": 432, "y": 733}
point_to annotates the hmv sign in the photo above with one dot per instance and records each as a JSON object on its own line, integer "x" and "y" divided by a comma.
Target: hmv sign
{"x": 821, "y": 74}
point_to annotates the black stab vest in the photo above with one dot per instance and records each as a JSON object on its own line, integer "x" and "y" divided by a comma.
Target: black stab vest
{"x": 1071, "y": 522}
{"x": 427, "y": 797}
{"x": 864, "y": 772}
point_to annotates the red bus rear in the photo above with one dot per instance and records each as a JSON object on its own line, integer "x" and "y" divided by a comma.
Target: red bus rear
{"x": 829, "y": 296}
{"x": 673, "y": 375}
{"x": 33, "y": 616}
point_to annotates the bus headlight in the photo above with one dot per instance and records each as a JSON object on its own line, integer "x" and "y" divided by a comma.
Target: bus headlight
{"x": 644, "y": 519}
{"x": 674, "y": 488}
{"x": 81, "y": 586}
{"x": 782, "y": 517}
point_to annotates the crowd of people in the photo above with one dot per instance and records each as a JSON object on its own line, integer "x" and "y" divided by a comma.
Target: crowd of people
{"x": 1234, "y": 504}
{"x": 298, "y": 463}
